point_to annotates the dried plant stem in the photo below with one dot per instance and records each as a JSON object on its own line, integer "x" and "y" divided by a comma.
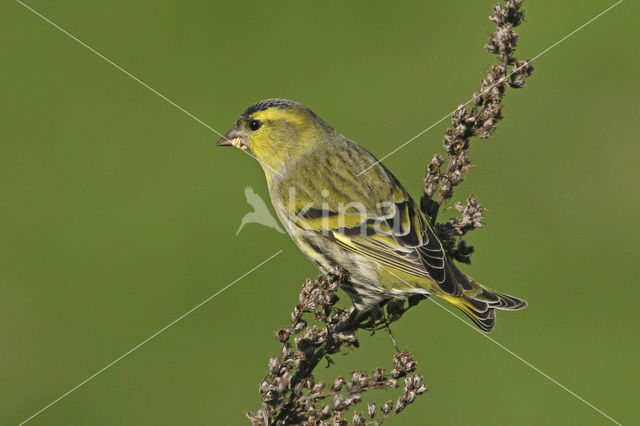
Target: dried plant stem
{"x": 290, "y": 394}
{"x": 480, "y": 121}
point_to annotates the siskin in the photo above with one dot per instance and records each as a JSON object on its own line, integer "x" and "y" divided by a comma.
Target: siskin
{"x": 366, "y": 223}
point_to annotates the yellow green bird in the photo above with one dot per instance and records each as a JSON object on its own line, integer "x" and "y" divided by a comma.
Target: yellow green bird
{"x": 364, "y": 222}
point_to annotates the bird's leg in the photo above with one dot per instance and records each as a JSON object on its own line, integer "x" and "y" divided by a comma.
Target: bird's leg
{"x": 353, "y": 320}
{"x": 393, "y": 339}
{"x": 371, "y": 318}
{"x": 434, "y": 216}
{"x": 351, "y": 323}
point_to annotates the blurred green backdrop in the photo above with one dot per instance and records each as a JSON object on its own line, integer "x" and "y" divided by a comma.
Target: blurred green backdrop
{"x": 118, "y": 213}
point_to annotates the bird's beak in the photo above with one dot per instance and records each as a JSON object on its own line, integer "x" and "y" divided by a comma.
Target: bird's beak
{"x": 234, "y": 137}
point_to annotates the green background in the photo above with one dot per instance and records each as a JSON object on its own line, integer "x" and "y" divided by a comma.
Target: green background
{"x": 118, "y": 213}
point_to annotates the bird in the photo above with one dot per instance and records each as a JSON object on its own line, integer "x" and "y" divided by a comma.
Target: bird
{"x": 260, "y": 213}
{"x": 364, "y": 222}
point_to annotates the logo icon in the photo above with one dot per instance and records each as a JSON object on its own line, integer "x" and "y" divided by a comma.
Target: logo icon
{"x": 260, "y": 213}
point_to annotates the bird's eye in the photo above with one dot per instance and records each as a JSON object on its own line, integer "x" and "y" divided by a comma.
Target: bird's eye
{"x": 255, "y": 124}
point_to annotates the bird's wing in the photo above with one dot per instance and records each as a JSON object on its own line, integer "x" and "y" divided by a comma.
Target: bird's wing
{"x": 384, "y": 224}
{"x": 401, "y": 239}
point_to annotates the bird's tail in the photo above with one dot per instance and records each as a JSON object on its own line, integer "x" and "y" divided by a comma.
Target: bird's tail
{"x": 480, "y": 305}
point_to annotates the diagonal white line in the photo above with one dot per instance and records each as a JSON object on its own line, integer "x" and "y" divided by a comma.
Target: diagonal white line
{"x": 277, "y": 253}
{"x": 127, "y": 73}
{"x": 511, "y": 352}
{"x": 576, "y": 30}
{"x": 492, "y": 86}
{"x": 149, "y": 338}
{"x": 518, "y": 357}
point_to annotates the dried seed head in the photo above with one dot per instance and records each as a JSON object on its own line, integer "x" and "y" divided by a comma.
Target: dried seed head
{"x": 401, "y": 404}
{"x": 299, "y": 326}
{"x": 481, "y": 120}
{"x": 338, "y": 383}
{"x": 338, "y": 419}
{"x": 403, "y": 363}
{"x": 372, "y": 408}
{"x": 378, "y": 375}
{"x": 283, "y": 334}
{"x": 358, "y": 420}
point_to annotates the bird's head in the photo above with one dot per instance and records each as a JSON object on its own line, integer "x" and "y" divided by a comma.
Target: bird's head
{"x": 276, "y": 132}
